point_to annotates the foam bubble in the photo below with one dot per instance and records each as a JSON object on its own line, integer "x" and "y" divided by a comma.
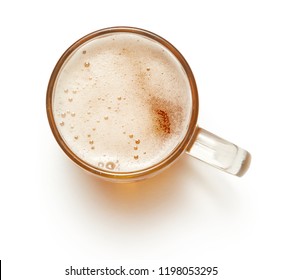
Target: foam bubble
{"x": 86, "y": 64}
{"x": 110, "y": 165}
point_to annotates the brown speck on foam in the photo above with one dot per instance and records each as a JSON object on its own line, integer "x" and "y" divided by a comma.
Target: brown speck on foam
{"x": 167, "y": 116}
{"x": 163, "y": 120}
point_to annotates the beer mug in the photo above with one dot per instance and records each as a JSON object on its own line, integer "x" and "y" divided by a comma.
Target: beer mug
{"x": 122, "y": 103}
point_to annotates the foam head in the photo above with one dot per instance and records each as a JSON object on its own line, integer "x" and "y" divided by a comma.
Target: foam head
{"x": 122, "y": 102}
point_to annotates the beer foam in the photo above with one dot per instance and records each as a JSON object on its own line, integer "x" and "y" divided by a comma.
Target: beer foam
{"x": 122, "y": 102}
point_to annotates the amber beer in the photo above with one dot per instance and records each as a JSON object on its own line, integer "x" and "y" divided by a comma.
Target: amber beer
{"x": 122, "y": 102}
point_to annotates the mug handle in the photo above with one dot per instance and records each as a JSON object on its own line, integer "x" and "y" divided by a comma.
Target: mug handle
{"x": 219, "y": 153}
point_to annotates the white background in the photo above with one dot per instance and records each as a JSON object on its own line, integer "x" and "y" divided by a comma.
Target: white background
{"x": 54, "y": 215}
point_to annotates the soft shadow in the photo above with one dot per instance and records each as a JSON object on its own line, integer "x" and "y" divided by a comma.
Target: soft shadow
{"x": 171, "y": 189}
{"x": 139, "y": 198}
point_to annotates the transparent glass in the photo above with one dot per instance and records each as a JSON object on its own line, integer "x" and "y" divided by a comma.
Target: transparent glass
{"x": 197, "y": 142}
{"x": 219, "y": 153}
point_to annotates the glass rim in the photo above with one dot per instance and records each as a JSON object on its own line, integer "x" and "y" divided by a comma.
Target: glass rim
{"x": 177, "y": 151}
